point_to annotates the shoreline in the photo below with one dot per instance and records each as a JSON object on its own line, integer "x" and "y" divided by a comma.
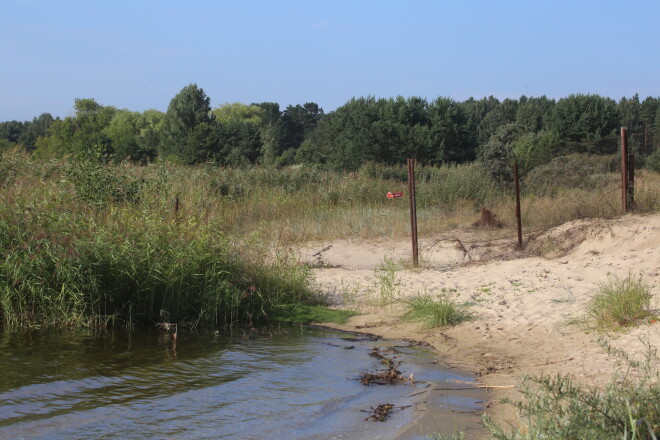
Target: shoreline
{"x": 521, "y": 303}
{"x": 436, "y": 404}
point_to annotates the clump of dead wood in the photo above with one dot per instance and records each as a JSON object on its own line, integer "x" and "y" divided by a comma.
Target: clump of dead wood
{"x": 382, "y": 412}
{"x": 390, "y": 376}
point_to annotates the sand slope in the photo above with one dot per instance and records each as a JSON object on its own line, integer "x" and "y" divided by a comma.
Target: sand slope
{"x": 521, "y": 301}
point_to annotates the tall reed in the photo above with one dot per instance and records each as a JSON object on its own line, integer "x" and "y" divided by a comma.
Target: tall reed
{"x": 81, "y": 240}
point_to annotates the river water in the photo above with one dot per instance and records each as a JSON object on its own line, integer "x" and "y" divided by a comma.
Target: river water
{"x": 282, "y": 383}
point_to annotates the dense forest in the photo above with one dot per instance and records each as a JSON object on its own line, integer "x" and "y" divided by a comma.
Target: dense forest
{"x": 533, "y": 130}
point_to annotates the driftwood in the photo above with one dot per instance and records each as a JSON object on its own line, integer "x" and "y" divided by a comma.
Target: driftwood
{"x": 390, "y": 376}
{"x": 382, "y": 412}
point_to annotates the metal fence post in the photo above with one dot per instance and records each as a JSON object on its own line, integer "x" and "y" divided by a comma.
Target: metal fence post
{"x": 413, "y": 211}
{"x": 518, "y": 216}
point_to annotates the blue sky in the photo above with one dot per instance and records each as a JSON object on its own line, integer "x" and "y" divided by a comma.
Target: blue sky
{"x": 139, "y": 54}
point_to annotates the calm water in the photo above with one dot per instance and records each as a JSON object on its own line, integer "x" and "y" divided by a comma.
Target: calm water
{"x": 288, "y": 383}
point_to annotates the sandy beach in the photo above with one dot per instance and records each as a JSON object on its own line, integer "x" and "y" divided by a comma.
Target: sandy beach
{"x": 521, "y": 300}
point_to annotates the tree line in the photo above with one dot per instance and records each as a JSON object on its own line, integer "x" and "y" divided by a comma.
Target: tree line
{"x": 532, "y": 130}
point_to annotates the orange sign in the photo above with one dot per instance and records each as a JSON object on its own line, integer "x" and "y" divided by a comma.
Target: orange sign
{"x": 394, "y": 195}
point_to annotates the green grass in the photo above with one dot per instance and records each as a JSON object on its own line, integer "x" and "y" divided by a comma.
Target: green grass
{"x": 308, "y": 314}
{"x": 386, "y": 282}
{"x": 619, "y": 303}
{"x": 436, "y": 312}
{"x": 628, "y": 408}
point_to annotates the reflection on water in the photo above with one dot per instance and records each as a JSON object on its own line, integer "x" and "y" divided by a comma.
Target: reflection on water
{"x": 280, "y": 384}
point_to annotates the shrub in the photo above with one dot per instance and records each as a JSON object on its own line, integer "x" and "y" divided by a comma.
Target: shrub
{"x": 558, "y": 408}
{"x": 574, "y": 172}
{"x": 653, "y": 161}
{"x": 100, "y": 184}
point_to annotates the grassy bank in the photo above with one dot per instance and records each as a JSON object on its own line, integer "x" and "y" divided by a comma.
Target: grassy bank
{"x": 126, "y": 266}
{"x": 88, "y": 244}
{"x": 85, "y": 245}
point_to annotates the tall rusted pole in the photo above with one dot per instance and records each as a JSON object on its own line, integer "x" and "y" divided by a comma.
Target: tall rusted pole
{"x": 413, "y": 210}
{"x": 518, "y": 216}
{"x": 631, "y": 182}
{"x": 624, "y": 169}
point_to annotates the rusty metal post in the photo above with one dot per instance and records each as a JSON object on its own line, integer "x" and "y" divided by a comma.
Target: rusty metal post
{"x": 413, "y": 210}
{"x": 624, "y": 169}
{"x": 631, "y": 182}
{"x": 518, "y": 216}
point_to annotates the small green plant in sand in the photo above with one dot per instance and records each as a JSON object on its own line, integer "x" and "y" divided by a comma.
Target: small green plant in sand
{"x": 618, "y": 304}
{"x": 568, "y": 299}
{"x": 558, "y": 408}
{"x": 349, "y": 292}
{"x": 386, "y": 282}
{"x": 435, "y": 312}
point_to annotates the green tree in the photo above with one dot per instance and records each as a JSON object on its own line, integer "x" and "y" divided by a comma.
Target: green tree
{"x": 272, "y": 136}
{"x": 271, "y": 110}
{"x": 584, "y": 117}
{"x": 237, "y": 143}
{"x": 134, "y": 135}
{"x": 532, "y": 149}
{"x": 475, "y": 111}
{"x": 344, "y": 139}
{"x": 35, "y": 129}
{"x": 498, "y": 155}
{"x": 11, "y": 131}
{"x": 241, "y": 112}
{"x": 189, "y": 108}
{"x": 449, "y": 139}
{"x": 656, "y": 130}
{"x": 297, "y": 122}
{"x": 501, "y": 114}
{"x": 79, "y": 134}
{"x": 5, "y": 145}
{"x": 532, "y": 112}
{"x": 200, "y": 144}
{"x": 629, "y": 113}
{"x": 648, "y": 110}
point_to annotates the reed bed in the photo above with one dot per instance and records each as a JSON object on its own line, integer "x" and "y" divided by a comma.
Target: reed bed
{"x": 84, "y": 243}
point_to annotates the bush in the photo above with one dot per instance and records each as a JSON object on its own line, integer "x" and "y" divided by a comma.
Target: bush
{"x": 653, "y": 161}
{"x": 558, "y": 408}
{"x": 100, "y": 184}
{"x": 574, "y": 172}
{"x": 497, "y": 154}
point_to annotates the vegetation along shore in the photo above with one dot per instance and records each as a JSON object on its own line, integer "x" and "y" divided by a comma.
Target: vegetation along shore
{"x": 246, "y": 214}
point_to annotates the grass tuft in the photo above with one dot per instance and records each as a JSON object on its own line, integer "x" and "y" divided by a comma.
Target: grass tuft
{"x": 441, "y": 311}
{"x": 619, "y": 303}
{"x": 386, "y": 282}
